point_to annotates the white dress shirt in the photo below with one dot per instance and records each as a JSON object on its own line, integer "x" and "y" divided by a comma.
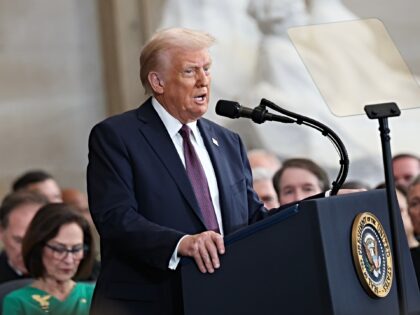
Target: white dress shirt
{"x": 173, "y": 126}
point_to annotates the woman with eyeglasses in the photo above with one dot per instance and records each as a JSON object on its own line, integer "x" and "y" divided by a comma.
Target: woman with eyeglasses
{"x": 56, "y": 248}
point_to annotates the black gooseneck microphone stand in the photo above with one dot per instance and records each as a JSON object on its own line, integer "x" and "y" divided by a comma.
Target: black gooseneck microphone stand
{"x": 382, "y": 112}
{"x": 325, "y": 130}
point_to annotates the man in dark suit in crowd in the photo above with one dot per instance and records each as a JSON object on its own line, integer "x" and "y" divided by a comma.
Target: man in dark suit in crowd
{"x": 40, "y": 182}
{"x": 163, "y": 182}
{"x": 405, "y": 167}
{"x": 16, "y": 213}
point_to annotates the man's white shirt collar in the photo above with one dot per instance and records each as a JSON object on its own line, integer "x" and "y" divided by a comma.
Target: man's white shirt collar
{"x": 172, "y": 124}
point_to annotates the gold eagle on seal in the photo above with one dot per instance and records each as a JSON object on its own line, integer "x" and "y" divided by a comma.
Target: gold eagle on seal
{"x": 371, "y": 249}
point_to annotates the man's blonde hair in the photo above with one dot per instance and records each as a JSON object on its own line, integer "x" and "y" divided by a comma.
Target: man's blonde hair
{"x": 152, "y": 54}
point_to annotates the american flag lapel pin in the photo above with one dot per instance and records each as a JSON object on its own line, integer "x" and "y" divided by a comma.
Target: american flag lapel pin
{"x": 215, "y": 141}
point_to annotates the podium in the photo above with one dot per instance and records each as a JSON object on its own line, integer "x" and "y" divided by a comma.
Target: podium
{"x": 298, "y": 261}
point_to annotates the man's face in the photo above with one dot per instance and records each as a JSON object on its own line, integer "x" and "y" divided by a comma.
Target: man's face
{"x": 405, "y": 170}
{"x": 263, "y": 160}
{"x": 12, "y": 236}
{"x": 413, "y": 199}
{"x": 184, "y": 88}
{"x": 48, "y": 188}
{"x": 297, "y": 184}
{"x": 407, "y": 222}
{"x": 266, "y": 193}
{"x": 78, "y": 200}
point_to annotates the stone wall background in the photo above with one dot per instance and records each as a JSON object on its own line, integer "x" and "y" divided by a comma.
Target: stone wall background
{"x": 51, "y": 89}
{"x": 55, "y": 80}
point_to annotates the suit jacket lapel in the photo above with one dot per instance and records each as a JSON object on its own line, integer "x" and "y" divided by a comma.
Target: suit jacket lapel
{"x": 215, "y": 150}
{"x": 154, "y": 131}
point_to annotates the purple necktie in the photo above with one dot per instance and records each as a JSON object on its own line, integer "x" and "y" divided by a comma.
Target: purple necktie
{"x": 198, "y": 181}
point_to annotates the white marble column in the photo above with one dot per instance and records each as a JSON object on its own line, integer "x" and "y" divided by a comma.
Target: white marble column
{"x": 51, "y": 90}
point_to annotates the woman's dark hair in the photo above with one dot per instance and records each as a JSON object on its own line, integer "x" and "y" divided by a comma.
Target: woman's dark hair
{"x": 44, "y": 227}
{"x": 305, "y": 164}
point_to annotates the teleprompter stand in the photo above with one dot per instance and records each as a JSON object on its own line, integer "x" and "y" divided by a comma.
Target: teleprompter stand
{"x": 382, "y": 112}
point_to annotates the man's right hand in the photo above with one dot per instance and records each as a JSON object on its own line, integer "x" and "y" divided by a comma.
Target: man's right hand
{"x": 205, "y": 248}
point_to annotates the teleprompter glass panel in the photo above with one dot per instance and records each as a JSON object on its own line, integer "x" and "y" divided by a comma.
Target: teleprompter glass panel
{"x": 355, "y": 63}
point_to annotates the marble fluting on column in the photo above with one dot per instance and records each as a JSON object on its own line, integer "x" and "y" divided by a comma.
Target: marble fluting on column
{"x": 50, "y": 86}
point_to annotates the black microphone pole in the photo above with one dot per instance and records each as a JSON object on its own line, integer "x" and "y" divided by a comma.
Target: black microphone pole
{"x": 326, "y": 131}
{"x": 382, "y": 112}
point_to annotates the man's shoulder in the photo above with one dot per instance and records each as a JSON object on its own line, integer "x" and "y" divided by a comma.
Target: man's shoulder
{"x": 206, "y": 123}
{"x": 125, "y": 119}
{"x": 3, "y": 256}
{"x": 4, "y": 266}
{"x": 120, "y": 118}
{"x": 6, "y": 272}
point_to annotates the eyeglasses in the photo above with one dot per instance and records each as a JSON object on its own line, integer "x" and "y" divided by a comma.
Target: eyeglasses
{"x": 60, "y": 252}
{"x": 414, "y": 203}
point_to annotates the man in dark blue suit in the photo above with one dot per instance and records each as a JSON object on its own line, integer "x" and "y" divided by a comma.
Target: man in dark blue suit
{"x": 143, "y": 202}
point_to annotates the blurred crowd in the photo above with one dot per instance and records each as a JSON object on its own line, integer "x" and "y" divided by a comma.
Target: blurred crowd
{"x": 282, "y": 182}
{"x": 50, "y": 247}
{"x": 49, "y": 259}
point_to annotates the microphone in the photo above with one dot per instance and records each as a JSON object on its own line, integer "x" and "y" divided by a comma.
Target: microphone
{"x": 232, "y": 109}
{"x": 258, "y": 115}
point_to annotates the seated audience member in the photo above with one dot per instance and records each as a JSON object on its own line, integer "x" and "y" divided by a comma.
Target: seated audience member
{"x": 298, "y": 179}
{"x": 413, "y": 199}
{"x": 79, "y": 201}
{"x": 259, "y": 158}
{"x": 355, "y": 184}
{"x": 56, "y": 248}
{"x": 263, "y": 186}
{"x": 413, "y": 243}
{"x": 408, "y": 224}
{"x": 16, "y": 213}
{"x": 403, "y": 204}
{"x": 405, "y": 168}
{"x": 40, "y": 182}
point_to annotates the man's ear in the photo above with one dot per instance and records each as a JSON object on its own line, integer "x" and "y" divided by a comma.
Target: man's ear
{"x": 156, "y": 82}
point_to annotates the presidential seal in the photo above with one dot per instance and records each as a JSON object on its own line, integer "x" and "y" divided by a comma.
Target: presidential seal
{"x": 372, "y": 255}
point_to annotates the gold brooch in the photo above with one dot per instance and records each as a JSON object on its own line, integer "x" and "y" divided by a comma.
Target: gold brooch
{"x": 43, "y": 301}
